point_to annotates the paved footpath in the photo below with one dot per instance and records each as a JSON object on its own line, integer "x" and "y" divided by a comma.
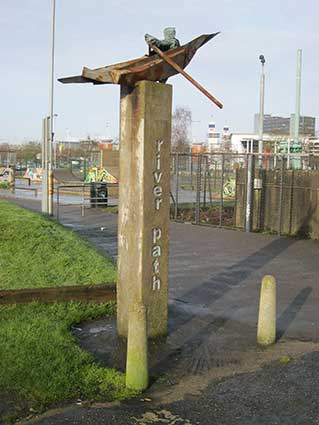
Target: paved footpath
{"x": 210, "y": 369}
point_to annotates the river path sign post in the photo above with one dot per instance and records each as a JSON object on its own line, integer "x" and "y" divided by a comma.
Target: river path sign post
{"x": 144, "y": 195}
{"x": 144, "y": 199}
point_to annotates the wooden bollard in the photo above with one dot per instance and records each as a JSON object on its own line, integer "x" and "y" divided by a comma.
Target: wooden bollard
{"x": 266, "y": 333}
{"x": 137, "y": 362}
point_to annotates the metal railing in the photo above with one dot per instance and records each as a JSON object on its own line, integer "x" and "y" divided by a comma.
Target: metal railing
{"x": 87, "y": 194}
{"x": 28, "y": 179}
{"x": 251, "y": 192}
{"x": 30, "y": 189}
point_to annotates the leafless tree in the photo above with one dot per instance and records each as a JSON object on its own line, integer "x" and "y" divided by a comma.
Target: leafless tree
{"x": 182, "y": 119}
{"x": 28, "y": 152}
{"x": 88, "y": 146}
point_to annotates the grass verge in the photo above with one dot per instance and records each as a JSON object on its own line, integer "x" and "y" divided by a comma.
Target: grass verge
{"x": 41, "y": 364}
{"x": 37, "y": 252}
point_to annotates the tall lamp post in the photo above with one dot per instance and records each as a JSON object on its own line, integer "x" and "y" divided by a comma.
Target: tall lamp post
{"x": 51, "y": 113}
{"x": 261, "y": 104}
{"x": 48, "y": 132}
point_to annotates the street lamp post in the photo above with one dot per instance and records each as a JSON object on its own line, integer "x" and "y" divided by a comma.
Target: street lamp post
{"x": 48, "y": 132}
{"x": 261, "y": 104}
{"x": 51, "y": 113}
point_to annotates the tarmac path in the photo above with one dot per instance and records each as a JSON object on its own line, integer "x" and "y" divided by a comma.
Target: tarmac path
{"x": 211, "y": 370}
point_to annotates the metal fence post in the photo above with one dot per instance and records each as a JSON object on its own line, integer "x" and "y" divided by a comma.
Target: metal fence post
{"x": 177, "y": 183}
{"x": 83, "y": 200}
{"x": 250, "y": 193}
{"x": 209, "y": 186}
{"x": 191, "y": 157}
{"x": 58, "y": 203}
{"x": 205, "y": 180}
{"x": 221, "y": 203}
{"x": 215, "y": 175}
{"x": 288, "y": 155}
{"x": 282, "y": 166}
{"x": 198, "y": 188}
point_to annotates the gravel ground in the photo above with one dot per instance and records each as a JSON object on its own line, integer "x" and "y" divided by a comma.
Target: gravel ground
{"x": 278, "y": 394}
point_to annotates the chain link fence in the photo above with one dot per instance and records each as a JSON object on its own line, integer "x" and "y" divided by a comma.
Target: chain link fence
{"x": 252, "y": 192}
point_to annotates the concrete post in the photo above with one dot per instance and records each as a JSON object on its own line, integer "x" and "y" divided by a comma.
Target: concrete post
{"x": 12, "y": 180}
{"x": 266, "y": 333}
{"x": 144, "y": 200}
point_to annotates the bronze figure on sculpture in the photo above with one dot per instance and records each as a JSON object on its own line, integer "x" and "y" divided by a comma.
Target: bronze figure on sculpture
{"x": 169, "y": 42}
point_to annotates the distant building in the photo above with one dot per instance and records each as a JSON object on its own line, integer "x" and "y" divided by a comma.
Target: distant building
{"x": 244, "y": 142}
{"x": 285, "y": 126}
{"x": 248, "y": 142}
{"x": 277, "y": 125}
{"x": 211, "y": 129}
{"x": 226, "y": 131}
{"x": 69, "y": 147}
{"x": 68, "y": 143}
{"x": 8, "y": 155}
{"x": 307, "y": 126}
{"x": 226, "y": 139}
{"x": 313, "y": 145}
{"x": 213, "y": 138}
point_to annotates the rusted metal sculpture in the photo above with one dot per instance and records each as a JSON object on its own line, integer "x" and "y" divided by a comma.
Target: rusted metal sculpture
{"x": 144, "y": 189}
{"x": 171, "y": 62}
{"x": 155, "y": 67}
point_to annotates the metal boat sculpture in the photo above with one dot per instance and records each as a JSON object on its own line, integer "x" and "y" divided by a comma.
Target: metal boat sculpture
{"x": 149, "y": 67}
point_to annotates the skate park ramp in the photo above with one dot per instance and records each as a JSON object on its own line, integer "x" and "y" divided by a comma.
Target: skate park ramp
{"x": 114, "y": 171}
{"x": 65, "y": 176}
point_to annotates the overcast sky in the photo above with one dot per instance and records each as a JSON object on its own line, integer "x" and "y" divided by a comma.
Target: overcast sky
{"x": 95, "y": 33}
